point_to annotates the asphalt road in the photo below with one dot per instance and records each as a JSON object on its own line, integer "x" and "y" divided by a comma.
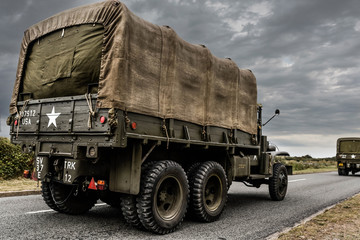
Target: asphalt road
{"x": 250, "y": 214}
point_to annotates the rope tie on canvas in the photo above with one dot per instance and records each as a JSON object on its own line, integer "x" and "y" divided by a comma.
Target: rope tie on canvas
{"x": 19, "y": 117}
{"x": 91, "y": 111}
{"x": 167, "y": 134}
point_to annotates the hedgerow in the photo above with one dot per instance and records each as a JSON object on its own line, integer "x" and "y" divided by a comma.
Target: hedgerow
{"x": 13, "y": 161}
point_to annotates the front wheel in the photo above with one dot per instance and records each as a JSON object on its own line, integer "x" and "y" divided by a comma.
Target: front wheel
{"x": 163, "y": 197}
{"x": 278, "y": 182}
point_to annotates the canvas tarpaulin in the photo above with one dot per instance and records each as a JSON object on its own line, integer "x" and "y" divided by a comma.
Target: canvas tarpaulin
{"x": 64, "y": 62}
{"x": 148, "y": 69}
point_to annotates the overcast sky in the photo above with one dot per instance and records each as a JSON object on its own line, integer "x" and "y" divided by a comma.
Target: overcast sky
{"x": 304, "y": 54}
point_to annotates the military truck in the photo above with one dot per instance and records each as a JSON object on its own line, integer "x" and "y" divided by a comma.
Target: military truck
{"x": 348, "y": 155}
{"x": 119, "y": 109}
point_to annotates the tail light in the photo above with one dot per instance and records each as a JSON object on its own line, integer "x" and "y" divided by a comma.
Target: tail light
{"x": 101, "y": 185}
{"x": 102, "y": 119}
{"x": 26, "y": 174}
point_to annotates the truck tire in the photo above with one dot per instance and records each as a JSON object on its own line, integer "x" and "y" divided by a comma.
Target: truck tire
{"x": 208, "y": 192}
{"x": 340, "y": 172}
{"x": 278, "y": 182}
{"x": 190, "y": 175}
{"x": 163, "y": 198}
{"x": 70, "y": 200}
{"x": 128, "y": 204}
{"x": 129, "y": 211}
{"x": 47, "y": 196}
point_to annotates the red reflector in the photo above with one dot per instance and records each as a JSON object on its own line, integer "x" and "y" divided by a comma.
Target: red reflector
{"x": 102, "y": 119}
{"x": 92, "y": 184}
{"x": 16, "y": 122}
{"x": 133, "y": 125}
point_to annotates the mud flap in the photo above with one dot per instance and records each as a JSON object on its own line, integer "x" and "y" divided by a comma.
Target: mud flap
{"x": 126, "y": 170}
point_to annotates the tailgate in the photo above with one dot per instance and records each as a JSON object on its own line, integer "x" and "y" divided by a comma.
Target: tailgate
{"x": 59, "y": 115}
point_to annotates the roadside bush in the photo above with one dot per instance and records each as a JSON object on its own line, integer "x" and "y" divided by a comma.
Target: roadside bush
{"x": 307, "y": 162}
{"x": 12, "y": 161}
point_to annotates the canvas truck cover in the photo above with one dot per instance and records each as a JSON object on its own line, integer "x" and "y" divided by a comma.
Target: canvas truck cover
{"x": 348, "y": 145}
{"x": 140, "y": 67}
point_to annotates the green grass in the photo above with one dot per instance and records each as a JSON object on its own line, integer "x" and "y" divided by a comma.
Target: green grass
{"x": 307, "y": 164}
{"x": 18, "y": 184}
{"x": 316, "y": 170}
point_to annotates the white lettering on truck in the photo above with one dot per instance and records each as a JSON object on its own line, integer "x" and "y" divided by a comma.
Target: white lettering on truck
{"x": 69, "y": 165}
{"x": 39, "y": 166}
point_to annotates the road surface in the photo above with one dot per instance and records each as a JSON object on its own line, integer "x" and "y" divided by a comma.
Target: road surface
{"x": 249, "y": 214}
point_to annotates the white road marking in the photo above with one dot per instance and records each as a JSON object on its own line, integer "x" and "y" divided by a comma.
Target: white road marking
{"x": 50, "y": 210}
{"x": 40, "y": 211}
{"x": 100, "y": 204}
{"x": 297, "y": 180}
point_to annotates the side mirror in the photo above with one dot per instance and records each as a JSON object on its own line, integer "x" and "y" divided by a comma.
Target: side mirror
{"x": 277, "y": 112}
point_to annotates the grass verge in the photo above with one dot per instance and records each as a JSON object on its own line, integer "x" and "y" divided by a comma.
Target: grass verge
{"x": 316, "y": 170}
{"x": 18, "y": 184}
{"x": 340, "y": 222}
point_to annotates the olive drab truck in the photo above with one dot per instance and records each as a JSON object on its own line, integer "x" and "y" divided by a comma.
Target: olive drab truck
{"x": 348, "y": 155}
{"x": 118, "y": 109}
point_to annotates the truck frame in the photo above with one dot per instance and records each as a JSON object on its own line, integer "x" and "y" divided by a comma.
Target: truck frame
{"x": 155, "y": 167}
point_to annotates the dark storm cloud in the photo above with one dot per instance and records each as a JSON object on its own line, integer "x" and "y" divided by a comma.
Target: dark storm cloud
{"x": 303, "y": 53}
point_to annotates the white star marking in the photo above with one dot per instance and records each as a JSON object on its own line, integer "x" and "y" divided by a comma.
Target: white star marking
{"x": 52, "y": 117}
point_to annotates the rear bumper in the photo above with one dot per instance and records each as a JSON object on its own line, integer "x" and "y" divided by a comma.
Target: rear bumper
{"x": 351, "y": 164}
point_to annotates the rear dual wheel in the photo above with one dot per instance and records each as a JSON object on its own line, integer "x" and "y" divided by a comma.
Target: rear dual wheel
{"x": 343, "y": 172}
{"x": 47, "y": 196}
{"x": 129, "y": 211}
{"x": 208, "y": 191}
{"x": 163, "y": 198}
{"x": 67, "y": 198}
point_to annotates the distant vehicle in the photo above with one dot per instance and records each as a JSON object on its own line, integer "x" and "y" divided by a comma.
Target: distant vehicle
{"x": 119, "y": 109}
{"x": 348, "y": 155}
